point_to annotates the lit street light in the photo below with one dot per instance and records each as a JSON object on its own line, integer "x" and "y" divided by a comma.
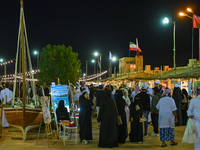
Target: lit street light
{"x": 166, "y": 20}
{"x": 114, "y": 59}
{"x": 97, "y": 54}
{"x": 93, "y": 61}
{"x": 37, "y": 53}
{"x": 184, "y": 14}
{"x": 2, "y": 60}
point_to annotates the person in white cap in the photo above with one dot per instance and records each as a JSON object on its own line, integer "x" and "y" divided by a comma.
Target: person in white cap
{"x": 167, "y": 118}
{"x": 145, "y": 101}
{"x": 194, "y": 113}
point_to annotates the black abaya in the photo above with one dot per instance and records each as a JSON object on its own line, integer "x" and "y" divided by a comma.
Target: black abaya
{"x": 109, "y": 127}
{"x": 136, "y": 134}
{"x": 178, "y": 99}
{"x": 85, "y": 118}
{"x": 123, "y": 133}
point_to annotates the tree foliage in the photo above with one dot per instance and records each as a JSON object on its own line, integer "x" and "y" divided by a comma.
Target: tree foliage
{"x": 61, "y": 62}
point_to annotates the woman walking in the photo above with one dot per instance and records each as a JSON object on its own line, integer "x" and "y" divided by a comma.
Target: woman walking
{"x": 85, "y": 118}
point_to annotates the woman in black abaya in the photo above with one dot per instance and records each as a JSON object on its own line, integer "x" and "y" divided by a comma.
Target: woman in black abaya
{"x": 108, "y": 117}
{"x": 184, "y": 105}
{"x": 85, "y": 118}
{"x": 61, "y": 111}
{"x": 136, "y": 111}
{"x": 121, "y": 109}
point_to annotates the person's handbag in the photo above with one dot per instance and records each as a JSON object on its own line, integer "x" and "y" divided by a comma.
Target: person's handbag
{"x": 118, "y": 116}
{"x": 143, "y": 119}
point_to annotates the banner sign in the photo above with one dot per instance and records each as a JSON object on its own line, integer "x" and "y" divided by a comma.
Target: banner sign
{"x": 45, "y": 109}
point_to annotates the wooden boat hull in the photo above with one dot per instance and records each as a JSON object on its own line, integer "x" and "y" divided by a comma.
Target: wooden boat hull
{"x": 14, "y": 117}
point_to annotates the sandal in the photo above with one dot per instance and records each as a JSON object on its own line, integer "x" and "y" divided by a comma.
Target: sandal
{"x": 164, "y": 145}
{"x": 174, "y": 143}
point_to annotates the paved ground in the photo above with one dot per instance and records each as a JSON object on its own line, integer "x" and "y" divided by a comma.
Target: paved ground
{"x": 6, "y": 143}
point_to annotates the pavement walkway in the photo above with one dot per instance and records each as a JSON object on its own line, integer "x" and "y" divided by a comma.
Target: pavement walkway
{"x": 6, "y": 143}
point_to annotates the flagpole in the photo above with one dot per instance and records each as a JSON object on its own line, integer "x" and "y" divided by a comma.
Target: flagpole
{"x": 137, "y": 55}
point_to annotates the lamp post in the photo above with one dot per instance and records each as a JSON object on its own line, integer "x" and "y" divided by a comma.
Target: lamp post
{"x": 37, "y": 53}
{"x": 184, "y": 14}
{"x": 97, "y": 54}
{"x": 166, "y": 20}
{"x": 2, "y": 60}
{"x": 93, "y": 61}
{"x": 113, "y": 59}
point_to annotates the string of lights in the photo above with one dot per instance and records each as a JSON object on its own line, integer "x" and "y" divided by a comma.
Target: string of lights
{"x": 91, "y": 77}
{"x": 7, "y": 62}
{"x": 26, "y": 73}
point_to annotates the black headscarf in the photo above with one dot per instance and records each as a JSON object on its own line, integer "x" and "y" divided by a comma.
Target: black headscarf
{"x": 61, "y": 106}
{"x": 84, "y": 102}
{"x": 118, "y": 94}
{"x": 185, "y": 92}
{"x": 107, "y": 93}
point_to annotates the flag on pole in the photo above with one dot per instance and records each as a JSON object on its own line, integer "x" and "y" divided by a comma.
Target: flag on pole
{"x": 196, "y": 21}
{"x": 110, "y": 55}
{"x": 138, "y": 51}
{"x": 99, "y": 63}
{"x": 133, "y": 47}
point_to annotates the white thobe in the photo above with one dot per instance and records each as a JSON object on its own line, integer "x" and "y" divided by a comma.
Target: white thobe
{"x": 194, "y": 109}
{"x": 128, "y": 102}
{"x": 166, "y": 106}
{"x": 9, "y": 94}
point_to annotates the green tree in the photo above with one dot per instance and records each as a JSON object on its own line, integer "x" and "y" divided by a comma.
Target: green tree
{"x": 58, "y": 61}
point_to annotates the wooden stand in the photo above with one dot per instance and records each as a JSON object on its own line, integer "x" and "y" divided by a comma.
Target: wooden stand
{"x": 55, "y": 117}
{"x": 48, "y": 131}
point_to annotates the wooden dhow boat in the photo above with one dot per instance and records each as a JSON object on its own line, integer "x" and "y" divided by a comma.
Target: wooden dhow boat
{"x": 23, "y": 117}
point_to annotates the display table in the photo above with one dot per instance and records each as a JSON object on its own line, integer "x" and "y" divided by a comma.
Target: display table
{"x": 64, "y": 137}
{"x": 75, "y": 119}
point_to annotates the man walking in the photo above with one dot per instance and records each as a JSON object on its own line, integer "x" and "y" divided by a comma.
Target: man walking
{"x": 145, "y": 102}
{"x": 155, "y": 111}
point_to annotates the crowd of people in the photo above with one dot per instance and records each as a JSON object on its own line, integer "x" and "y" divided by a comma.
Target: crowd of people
{"x": 117, "y": 107}
{"x": 139, "y": 106}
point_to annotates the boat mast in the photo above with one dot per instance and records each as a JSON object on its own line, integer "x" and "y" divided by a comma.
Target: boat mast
{"x": 23, "y": 63}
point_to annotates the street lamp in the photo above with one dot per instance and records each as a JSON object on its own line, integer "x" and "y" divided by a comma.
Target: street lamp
{"x": 37, "y": 53}
{"x": 166, "y": 20}
{"x": 184, "y": 14}
{"x": 114, "y": 59}
{"x": 97, "y": 54}
{"x": 93, "y": 61}
{"x": 2, "y": 60}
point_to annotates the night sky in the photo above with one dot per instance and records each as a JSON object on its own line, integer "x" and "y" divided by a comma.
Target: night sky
{"x": 103, "y": 26}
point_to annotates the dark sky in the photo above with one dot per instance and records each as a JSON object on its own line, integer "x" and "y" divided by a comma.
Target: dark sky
{"x": 103, "y": 26}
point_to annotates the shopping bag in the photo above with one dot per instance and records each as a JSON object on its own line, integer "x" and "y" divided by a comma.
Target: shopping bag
{"x": 119, "y": 120}
{"x": 190, "y": 136}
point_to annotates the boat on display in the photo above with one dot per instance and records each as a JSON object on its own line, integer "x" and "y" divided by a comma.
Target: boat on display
{"x": 21, "y": 114}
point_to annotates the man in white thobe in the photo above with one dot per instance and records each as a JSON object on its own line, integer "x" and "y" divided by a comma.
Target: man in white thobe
{"x": 128, "y": 102}
{"x": 194, "y": 113}
{"x": 9, "y": 94}
{"x": 167, "y": 118}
